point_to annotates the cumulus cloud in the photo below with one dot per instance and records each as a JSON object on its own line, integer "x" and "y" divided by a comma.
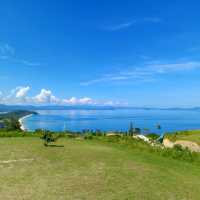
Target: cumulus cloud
{"x": 45, "y": 96}
{"x": 22, "y": 91}
{"x": 19, "y": 95}
{"x": 86, "y": 100}
{"x": 15, "y": 96}
{"x": 72, "y": 100}
{"x": 81, "y": 101}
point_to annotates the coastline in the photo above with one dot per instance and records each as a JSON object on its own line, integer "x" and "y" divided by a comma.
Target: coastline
{"x": 22, "y": 123}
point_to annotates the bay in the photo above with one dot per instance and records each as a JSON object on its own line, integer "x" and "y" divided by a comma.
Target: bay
{"x": 111, "y": 120}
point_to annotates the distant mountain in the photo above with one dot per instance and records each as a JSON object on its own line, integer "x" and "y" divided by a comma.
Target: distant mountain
{"x": 8, "y": 108}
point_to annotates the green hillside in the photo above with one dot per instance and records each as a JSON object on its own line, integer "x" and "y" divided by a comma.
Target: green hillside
{"x": 16, "y": 114}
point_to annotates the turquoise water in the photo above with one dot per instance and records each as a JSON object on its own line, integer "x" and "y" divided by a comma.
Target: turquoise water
{"x": 110, "y": 120}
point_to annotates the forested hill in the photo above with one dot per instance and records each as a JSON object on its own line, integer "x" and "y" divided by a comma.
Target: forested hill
{"x": 16, "y": 114}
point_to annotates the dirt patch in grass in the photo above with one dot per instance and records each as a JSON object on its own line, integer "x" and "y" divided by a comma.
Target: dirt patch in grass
{"x": 13, "y": 161}
{"x": 192, "y": 146}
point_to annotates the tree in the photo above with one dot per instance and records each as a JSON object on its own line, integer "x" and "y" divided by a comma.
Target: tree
{"x": 12, "y": 124}
{"x": 131, "y": 129}
{"x": 137, "y": 131}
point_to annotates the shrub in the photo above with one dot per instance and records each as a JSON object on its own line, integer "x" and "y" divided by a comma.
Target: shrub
{"x": 153, "y": 136}
{"x": 113, "y": 138}
{"x": 49, "y": 137}
{"x": 88, "y": 136}
{"x": 12, "y": 133}
{"x": 177, "y": 152}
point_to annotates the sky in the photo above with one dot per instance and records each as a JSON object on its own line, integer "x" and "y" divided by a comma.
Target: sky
{"x": 103, "y": 52}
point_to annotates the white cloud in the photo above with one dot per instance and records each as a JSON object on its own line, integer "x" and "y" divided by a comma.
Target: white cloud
{"x": 1, "y": 96}
{"x": 147, "y": 72}
{"x": 28, "y": 63}
{"x": 15, "y": 96}
{"x": 109, "y": 103}
{"x": 126, "y": 25}
{"x": 6, "y": 50}
{"x": 21, "y": 92}
{"x": 72, "y": 100}
{"x": 120, "y": 26}
{"x": 86, "y": 100}
{"x": 46, "y": 97}
{"x": 81, "y": 101}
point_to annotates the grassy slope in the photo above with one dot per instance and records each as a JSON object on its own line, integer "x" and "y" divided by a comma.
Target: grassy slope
{"x": 92, "y": 170}
{"x": 192, "y": 135}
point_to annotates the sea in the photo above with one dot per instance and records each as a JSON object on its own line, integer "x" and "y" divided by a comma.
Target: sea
{"x": 114, "y": 120}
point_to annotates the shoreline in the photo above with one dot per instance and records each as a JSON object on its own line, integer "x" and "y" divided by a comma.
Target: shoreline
{"x": 22, "y": 123}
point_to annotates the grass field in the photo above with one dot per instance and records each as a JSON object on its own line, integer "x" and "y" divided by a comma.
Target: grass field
{"x": 91, "y": 170}
{"x": 191, "y": 135}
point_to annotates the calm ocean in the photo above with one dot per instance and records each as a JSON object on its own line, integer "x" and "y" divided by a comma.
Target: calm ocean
{"x": 110, "y": 120}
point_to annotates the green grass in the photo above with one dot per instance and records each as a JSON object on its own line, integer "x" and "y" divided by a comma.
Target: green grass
{"x": 190, "y": 135}
{"x": 92, "y": 170}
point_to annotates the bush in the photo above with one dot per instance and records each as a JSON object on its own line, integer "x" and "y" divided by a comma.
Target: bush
{"x": 88, "y": 136}
{"x": 17, "y": 133}
{"x": 177, "y": 152}
{"x": 49, "y": 137}
{"x": 113, "y": 138}
{"x": 153, "y": 136}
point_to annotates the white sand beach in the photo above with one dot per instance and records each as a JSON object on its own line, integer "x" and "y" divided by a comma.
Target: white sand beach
{"x": 21, "y": 121}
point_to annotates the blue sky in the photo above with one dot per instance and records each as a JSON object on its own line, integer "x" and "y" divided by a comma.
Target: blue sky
{"x": 140, "y": 53}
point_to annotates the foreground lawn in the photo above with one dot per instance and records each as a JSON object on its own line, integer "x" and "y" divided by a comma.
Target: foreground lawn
{"x": 91, "y": 170}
